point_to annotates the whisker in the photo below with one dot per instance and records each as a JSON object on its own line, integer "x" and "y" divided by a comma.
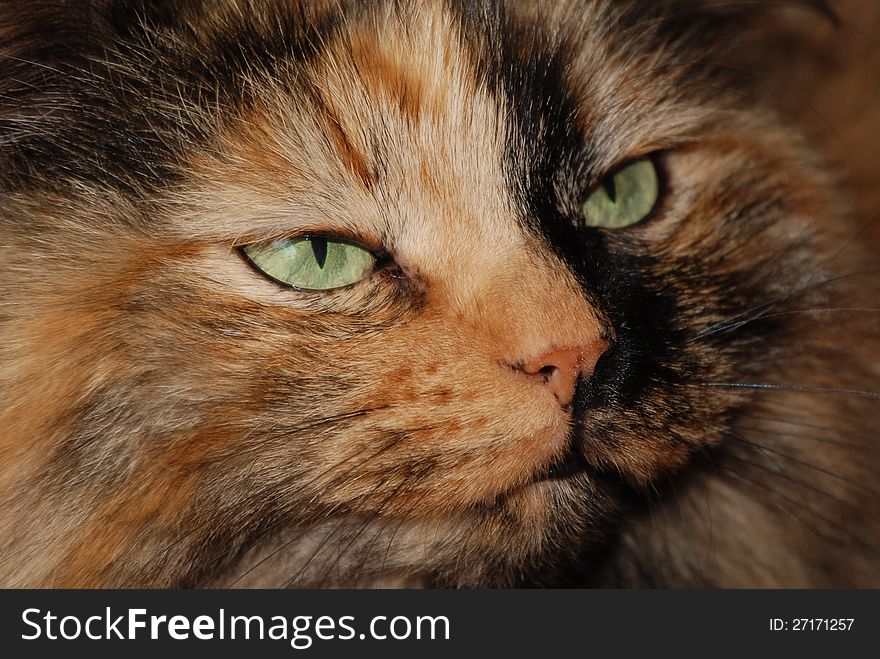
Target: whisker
{"x": 809, "y": 438}
{"x": 190, "y": 532}
{"x": 794, "y": 413}
{"x": 298, "y": 576}
{"x": 857, "y": 539}
{"x": 760, "y": 311}
{"x": 380, "y": 509}
{"x": 799, "y": 388}
{"x": 794, "y": 481}
{"x": 337, "y": 479}
{"x": 808, "y": 465}
{"x": 824, "y": 310}
{"x": 325, "y": 567}
{"x": 391, "y": 544}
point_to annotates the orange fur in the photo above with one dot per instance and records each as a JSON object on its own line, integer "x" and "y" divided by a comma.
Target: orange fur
{"x": 172, "y": 418}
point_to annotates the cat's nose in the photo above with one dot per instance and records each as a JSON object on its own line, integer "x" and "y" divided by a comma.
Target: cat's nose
{"x": 558, "y": 369}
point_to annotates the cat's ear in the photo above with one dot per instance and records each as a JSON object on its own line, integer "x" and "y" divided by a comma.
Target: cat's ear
{"x": 769, "y": 10}
{"x": 39, "y": 36}
{"x": 41, "y": 41}
{"x": 46, "y": 35}
{"x": 773, "y": 49}
{"x": 767, "y": 22}
{"x": 753, "y": 24}
{"x": 45, "y": 45}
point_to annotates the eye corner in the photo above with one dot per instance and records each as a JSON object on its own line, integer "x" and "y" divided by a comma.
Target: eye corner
{"x": 242, "y": 250}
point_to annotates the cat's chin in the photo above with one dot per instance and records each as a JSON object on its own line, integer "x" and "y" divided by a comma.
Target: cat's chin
{"x": 556, "y": 478}
{"x": 465, "y": 545}
{"x": 466, "y": 549}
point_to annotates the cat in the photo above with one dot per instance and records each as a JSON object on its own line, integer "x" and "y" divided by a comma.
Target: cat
{"x": 438, "y": 293}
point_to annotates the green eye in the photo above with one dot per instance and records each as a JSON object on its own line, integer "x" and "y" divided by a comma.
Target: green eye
{"x": 313, "y": 263}
{"x": 623, "y": 198}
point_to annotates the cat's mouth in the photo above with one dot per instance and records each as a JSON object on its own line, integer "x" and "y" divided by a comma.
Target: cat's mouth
{"x": 571, "y": 465}
{"x": 568, "y": 468}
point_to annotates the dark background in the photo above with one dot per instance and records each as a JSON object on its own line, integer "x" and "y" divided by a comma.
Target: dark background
{"x": 482, "y": 623}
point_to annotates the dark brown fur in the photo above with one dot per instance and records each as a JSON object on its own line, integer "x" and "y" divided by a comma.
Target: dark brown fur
{"x": 171, "y": 418}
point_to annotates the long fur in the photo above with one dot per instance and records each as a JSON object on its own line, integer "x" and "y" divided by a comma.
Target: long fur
{"x": 170, "y": 418}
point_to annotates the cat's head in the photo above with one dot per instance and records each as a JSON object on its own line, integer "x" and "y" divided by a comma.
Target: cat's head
{"x": 427, "y": 289}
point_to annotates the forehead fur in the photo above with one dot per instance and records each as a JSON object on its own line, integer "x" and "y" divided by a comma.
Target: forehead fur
{"x": 201, "y": 64}
{"x": 393, "y": 118}
{"x": 387, "y": 112}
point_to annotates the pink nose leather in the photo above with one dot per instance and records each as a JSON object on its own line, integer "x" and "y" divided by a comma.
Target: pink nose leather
{"x": 558, "y": 369}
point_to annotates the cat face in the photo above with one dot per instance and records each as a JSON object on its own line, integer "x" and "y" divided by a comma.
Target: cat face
{"x": 478, "y": 405}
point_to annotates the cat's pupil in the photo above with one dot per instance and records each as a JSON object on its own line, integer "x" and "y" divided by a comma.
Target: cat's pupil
{"x": 610, "y": 188}
{"x": 319, "y": 249}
